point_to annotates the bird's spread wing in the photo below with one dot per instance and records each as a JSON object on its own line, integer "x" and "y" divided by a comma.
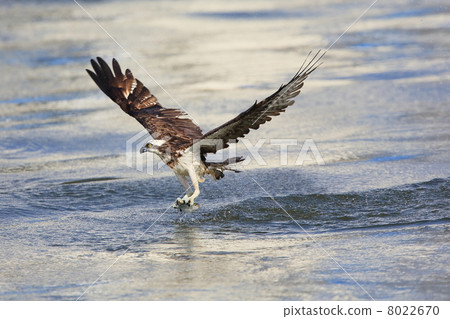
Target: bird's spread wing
{"x": 137, "y": 101}
{"x": 260, "y": 113}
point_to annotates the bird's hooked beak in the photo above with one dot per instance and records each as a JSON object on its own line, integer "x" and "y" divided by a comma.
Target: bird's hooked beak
{"x": 146, "y": 148}
{"x": 143, "y": 149}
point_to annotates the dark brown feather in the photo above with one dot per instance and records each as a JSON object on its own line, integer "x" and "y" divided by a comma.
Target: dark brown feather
{"x": 260, "y": 112}
{"x": 137, "y": 101}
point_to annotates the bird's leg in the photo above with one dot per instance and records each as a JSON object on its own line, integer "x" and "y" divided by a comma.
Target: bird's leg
{"x": 183, "y": 181}
{"x": 193, "y": 196}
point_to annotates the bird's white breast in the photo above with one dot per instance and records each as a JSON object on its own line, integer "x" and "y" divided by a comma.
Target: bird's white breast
{"x": 187, "y": 162}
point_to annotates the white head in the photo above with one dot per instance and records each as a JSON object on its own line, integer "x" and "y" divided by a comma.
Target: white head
{"x": 152, "y": 146}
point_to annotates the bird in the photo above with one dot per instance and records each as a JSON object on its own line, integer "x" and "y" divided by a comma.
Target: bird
{"x": 176, "y": 139}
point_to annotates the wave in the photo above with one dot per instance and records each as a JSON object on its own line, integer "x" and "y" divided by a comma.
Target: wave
{"x": 412, "y": 204}
{"x": 418, "y": 203}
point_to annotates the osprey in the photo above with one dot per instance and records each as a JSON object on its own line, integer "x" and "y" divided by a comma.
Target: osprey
{"x": 177, "y": 140}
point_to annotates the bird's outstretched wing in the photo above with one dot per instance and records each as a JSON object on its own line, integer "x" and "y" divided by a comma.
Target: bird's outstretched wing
{"x": 136, "y": 100}
{"x": 260, "y": 113}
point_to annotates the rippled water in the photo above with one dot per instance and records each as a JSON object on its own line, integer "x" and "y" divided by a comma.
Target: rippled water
{"x": 373, "y": 222}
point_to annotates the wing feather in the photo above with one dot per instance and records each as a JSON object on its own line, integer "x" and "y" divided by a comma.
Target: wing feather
{"x": 137, "y": 101}
{"x": 260, "y": 112}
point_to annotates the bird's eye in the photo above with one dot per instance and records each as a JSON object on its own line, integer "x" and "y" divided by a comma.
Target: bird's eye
{"x": 149, "y": 145}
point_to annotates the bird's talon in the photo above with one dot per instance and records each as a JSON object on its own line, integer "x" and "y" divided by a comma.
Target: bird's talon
{"x": 183, "y": 201}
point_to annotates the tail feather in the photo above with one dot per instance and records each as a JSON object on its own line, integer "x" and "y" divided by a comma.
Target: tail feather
{"x": 215, "y": 169}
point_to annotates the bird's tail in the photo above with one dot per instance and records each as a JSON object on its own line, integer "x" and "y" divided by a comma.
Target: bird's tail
{"x": 216, "y": 169}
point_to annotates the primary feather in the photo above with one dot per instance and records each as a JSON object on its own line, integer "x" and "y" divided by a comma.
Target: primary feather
{"x": 136, "y": 100}
{"x": 261, "y": 112}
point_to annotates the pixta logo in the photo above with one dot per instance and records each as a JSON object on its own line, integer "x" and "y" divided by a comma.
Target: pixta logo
{"x": 289, "y": 151}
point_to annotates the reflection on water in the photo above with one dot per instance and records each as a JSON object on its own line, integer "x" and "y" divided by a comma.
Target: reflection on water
{"x": 377, "y": 111}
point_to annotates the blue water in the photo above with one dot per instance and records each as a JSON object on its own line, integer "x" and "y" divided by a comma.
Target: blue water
{"x": 378, "y": 111}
